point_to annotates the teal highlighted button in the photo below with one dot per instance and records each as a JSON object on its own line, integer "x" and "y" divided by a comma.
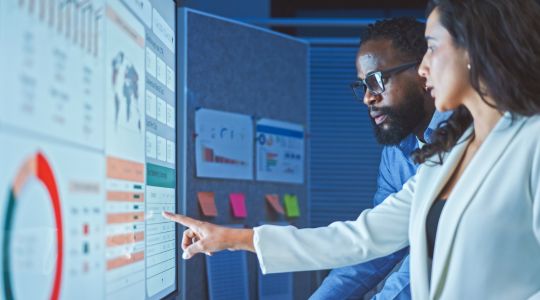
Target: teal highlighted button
{"x": 160, "y": 176}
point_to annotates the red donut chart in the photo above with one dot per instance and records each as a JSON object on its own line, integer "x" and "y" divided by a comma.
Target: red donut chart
{"x": 35, "y": 167}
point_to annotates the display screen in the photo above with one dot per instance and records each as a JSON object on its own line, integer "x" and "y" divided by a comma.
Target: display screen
{"x": 87, "y": 149}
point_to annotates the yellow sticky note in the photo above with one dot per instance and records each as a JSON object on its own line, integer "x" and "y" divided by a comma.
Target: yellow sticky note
{"x": 291, "y": 206}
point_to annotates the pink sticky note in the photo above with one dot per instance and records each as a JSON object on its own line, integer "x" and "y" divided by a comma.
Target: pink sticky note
{"x": 238, "y": 204}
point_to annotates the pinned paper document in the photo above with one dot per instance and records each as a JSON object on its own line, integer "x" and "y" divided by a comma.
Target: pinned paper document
{"x": 207, "y": 203}
{"x": 291, "y": 205}
{"x": 238, "y": 204}
{"x": 273, "y": 200}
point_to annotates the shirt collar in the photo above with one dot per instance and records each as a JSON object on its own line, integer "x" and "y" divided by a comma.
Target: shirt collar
{"x": 410, "y": 143}
{"x": 437, "y": 118}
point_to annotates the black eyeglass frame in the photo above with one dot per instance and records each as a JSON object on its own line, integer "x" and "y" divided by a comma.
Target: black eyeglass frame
{"x": 380, "y": 76}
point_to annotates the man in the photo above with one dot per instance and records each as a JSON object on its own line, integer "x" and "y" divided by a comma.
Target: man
{"x": 403, "y": 116}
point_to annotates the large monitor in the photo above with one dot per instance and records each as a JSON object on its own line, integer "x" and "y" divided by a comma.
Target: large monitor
{"x": 87, "y": 149}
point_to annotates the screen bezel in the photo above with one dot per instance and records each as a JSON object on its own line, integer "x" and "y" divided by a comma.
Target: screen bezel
{"x": 173, "y": 294}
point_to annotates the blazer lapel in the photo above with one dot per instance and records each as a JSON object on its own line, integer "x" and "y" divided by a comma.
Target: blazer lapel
{"x": 443, "y": 173}
{"x": 440, "y": 175}
{"x": 483, "y": 161}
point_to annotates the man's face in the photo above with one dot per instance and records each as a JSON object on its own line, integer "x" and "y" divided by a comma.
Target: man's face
{"x": 399, "y": 110}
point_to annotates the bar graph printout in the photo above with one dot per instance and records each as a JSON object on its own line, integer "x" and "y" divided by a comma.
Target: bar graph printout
{"x": 87, "y": 124}
{"x": 280, "y": 151}
{"x": 223, "y": 145}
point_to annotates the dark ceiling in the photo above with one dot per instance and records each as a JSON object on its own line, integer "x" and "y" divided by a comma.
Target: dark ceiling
{"x": 336, "y": 9}
{"x": 291, "y": 8}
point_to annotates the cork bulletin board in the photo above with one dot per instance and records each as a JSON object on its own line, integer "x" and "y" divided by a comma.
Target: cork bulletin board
{"x": 232, "y": 67}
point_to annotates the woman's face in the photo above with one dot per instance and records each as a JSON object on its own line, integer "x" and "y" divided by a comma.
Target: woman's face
{"x": 444, "y": 66}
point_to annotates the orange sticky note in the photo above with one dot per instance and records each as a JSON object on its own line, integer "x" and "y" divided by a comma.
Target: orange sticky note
{"x": 273, "y": 200}
{"x": 238, "y": 203}
{"x": 207, "y": 203}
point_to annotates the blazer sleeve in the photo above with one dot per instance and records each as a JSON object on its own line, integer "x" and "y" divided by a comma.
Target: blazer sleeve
{"x": 377, "y": 232}
{"x": 535, "y": 188}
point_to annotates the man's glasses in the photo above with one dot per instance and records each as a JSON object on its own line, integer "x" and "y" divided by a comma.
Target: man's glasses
{"x": 374, "y": 81}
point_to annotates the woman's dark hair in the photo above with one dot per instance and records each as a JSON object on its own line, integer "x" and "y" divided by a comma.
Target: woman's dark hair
{"x": 502, "y": 40}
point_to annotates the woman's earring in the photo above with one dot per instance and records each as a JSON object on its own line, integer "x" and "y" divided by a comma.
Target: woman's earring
{"x": 469, "y": 66}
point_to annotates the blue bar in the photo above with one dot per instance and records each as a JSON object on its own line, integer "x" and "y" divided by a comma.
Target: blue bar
{"x": 280, "y": 131}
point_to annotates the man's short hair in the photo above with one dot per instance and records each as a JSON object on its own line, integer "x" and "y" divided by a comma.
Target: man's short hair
{"x": 406, "y": 34}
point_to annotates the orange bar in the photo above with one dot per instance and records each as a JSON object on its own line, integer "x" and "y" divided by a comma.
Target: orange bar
{"x": 125, "y": 196}
{"x": 132, "y": 33}
{"x": 125, "y": 218}
{"x": 126, "y": 238}
{"x": 28, "y": 168}
{"x": 124, "y": 169}
{"x": 124, "y": 260}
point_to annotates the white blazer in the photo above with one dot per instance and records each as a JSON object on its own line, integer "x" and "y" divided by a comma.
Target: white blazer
{"x": 488, "y": 238}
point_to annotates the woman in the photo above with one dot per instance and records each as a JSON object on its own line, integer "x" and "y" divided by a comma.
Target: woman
{"x": 472, "y": 213}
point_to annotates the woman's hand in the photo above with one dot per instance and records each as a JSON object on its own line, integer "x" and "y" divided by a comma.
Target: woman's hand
{"x": 203, "y": 237}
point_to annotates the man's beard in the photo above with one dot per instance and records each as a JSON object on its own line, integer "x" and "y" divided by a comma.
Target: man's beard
{"x": 401, "y": 120}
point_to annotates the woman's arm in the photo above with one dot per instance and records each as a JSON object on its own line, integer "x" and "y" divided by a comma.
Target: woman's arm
{"x": 376, "y": 232}
{"x": 535, "y": 189}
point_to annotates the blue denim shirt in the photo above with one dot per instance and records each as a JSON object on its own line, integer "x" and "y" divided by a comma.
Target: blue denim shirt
{"x": 352, "y": 282}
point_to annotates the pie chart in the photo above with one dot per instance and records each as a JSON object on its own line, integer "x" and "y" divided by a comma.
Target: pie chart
{"x": 32, "y": 245}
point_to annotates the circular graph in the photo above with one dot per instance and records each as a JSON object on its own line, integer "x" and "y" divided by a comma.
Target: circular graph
{"x": 35, "y": 168}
